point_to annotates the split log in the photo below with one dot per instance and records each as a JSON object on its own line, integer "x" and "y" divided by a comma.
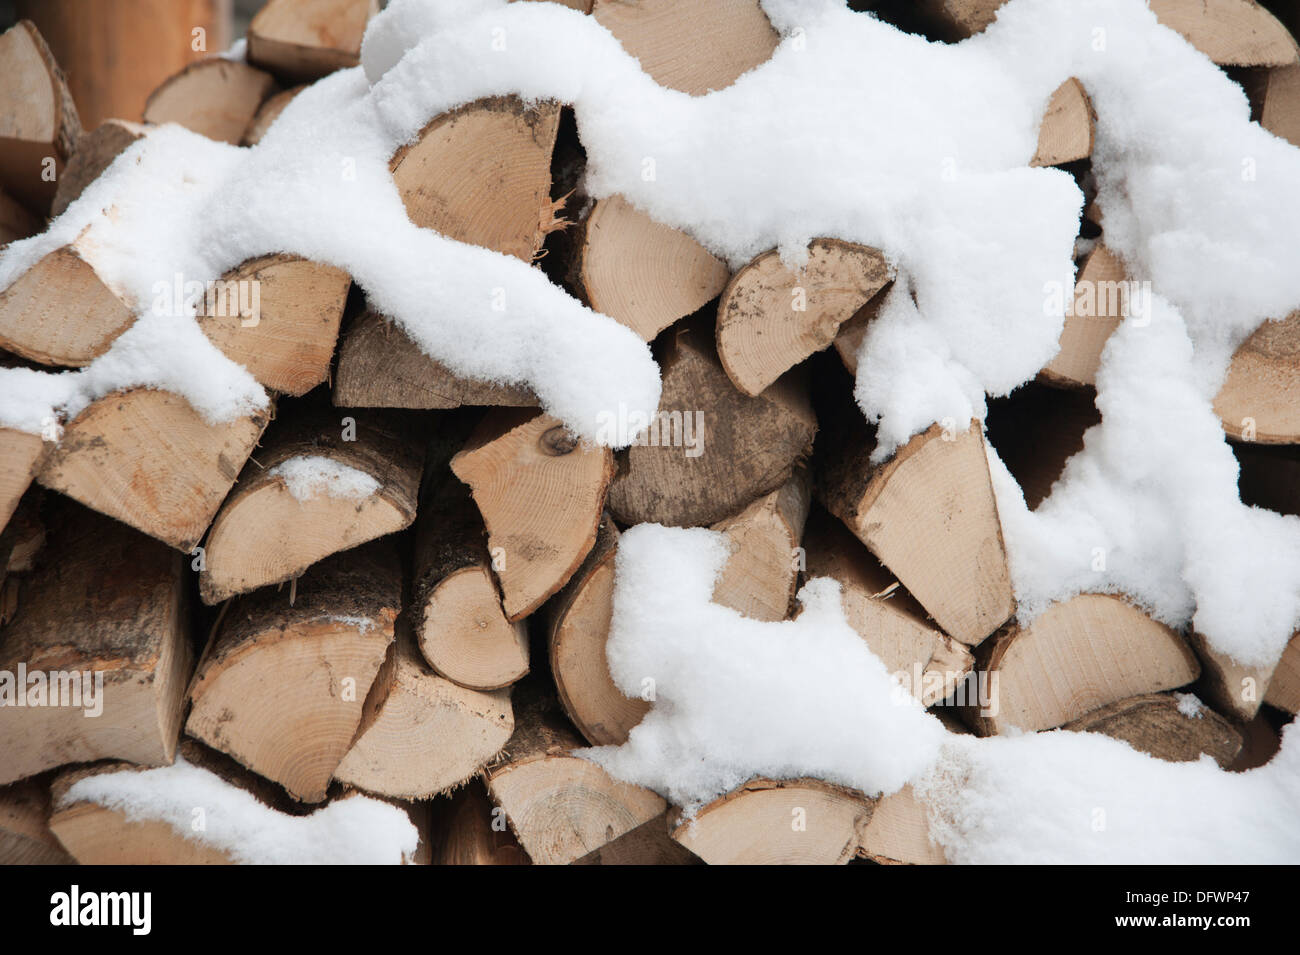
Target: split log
{"x": 59, "y": 312}
{"x": 1229, "y": 32}
{"x": 710, "y": 451}
{"x": 38, "y": 119}
{"x": 381, "y": 367}
{"x": 647, "y": 844}
{"x": 25, "y": 836}
{"x": 928, "y": 514}
{"x": 639, "y": 272}
{"x": 848, "y": 342}
{"x": 1284, "y": 688}
{"x": 287, "y": 343}
{"x": 1280, "y": 103}
{"x": 15, "y": 221}
{"x": 886, "y": 616}
{"x": 216, "y": 98}
{"x": 23, "y": 537}
{"x": 457, "y": 614}
{"x": 307, "y": 39}
{"x": 561, "y": 807}
{"x": 420, "y": 734}
{"x": 277, "y": 523}
{"x": 102, "y": 633}
{"x": 1230, "y": 687}
{"x": 697, "y": 47}
{"x": 469, "y": 830}
{"x": 771, "y": 317}
{"x": 759, "y": 577}
{"x": 578, "y": 626}
{"x": 267, "y": 114}
{"x": 779, "y": 822}
{"x": 1096, "y": 313}
{"x": 1077, "y": 656}
{"x": 96, "y": 150}
{"x": 118, "y": 51}
{"x": 541, "y": 495}
{"x": 482, "y": 174}
{"x": 1162, "y": 726}
{"x": 1068, "y": 130}
{"x": 1257, "y": 400}
{"x": 898, "y": 832}
{"x": 147, "y": 458}
{"x": 21, "y": 453}
{"x": 283, "y": 680}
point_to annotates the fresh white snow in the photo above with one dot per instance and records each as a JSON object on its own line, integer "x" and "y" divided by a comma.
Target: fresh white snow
{"x": 203, "y": 807}
{"x": 308, "y": 476}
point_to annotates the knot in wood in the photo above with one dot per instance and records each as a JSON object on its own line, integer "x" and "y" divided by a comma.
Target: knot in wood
{"x": 558, "y": 441}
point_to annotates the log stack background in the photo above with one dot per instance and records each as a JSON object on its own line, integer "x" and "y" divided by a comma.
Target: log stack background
{"x": 436, "y": 634}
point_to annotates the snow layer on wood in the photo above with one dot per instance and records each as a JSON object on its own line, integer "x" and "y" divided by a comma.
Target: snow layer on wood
{"x": 354, "y": 831}
{"x": 734, "y": 698}
{"x": 307, "y": 476}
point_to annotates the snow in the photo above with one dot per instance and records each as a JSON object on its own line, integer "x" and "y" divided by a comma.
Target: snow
{"x": 735, "y": 697}
{"x": 357, "y": 830}
{"x": 1190, "y": 705}
{"x": 308, "y": 476}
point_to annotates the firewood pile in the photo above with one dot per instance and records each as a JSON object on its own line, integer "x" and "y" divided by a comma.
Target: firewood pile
{"x": 396, "y": 583}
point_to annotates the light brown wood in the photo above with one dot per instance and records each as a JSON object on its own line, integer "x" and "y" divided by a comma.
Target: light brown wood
{"x": 216, "y": 98}
{"x": 306, "y": 39}
{"x": 1280, "y": 109}
{"x": 282, "y": 683}
{"x": 578, "y": 622}
{"x": 779, "y": 822}
{"x": 1230, "y": 32}
{"x": 710, "y": 451}
{"x": 25, "y": 836}
{"x": 267, "y": 114}
{"x": 541, "y": 494}
{"x": 116, "y": 52}
{"x": 469, "y": 830}
{"x": 1258, "y": 399}
{"x": 97, "y": 835}
{"x": 39, "y": 127}
{"x": 697, "y": 47}
{"x": 1068, "y": 130}
{"x": 849, "y": 339}
{"x": 771, "y": 317}
{"x": 20, "y": 458}
{"x": 1077, "y": 656}
{"x": 108, "y": 608}
{"x": 59, "y": 312}
{"x": 1232, "y": 688}
{"x": 420, "y": 734}
{"x": 885, "y": 615}
{"x": 95, "y": 152}
{"x": 23, "y": 536}
{"x": 928, "y": 514}
{"x": 899, "y": 832}
{"x": 381, "y": 367}
{"x": 1152, "y": 723}
{"x": 1097, "y": 313}
{"x": 759, "y": 577}
{"x": 264, "y": 535}
{"x": 560, "y": 807}
{"x": 482, "y": 174}
{"x": 647, "y": 844}
{"x": 288, "y": 344}
{"x": 459, "y": 622}
{"x": 147, "y": 458}
{"x": 639, "y": 272}
{"x": 1284, "y": 688}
